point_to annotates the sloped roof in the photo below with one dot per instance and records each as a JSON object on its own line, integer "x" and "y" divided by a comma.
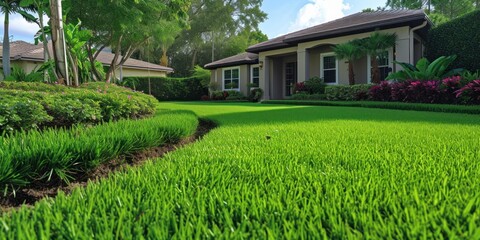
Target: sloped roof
{"x": 20, "y": 50}
{"x": 352, "y": 24}
{"x": 240, "y": 59}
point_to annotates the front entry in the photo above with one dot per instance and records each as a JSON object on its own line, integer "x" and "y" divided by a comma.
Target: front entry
{"x": 290, "y": 78}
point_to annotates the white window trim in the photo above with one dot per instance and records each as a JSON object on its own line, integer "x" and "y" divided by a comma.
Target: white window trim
{"x": 223, "y": 79}
{"x": 369, "y": 64}
{"x": 322, "y": 55}
{"x": 251, "y": 74}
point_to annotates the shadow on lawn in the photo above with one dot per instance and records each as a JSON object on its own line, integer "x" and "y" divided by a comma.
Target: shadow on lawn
{"x": 286, "y": 114}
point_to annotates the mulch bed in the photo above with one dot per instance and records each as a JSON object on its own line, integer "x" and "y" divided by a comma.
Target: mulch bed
{"x": 39, "y": 190}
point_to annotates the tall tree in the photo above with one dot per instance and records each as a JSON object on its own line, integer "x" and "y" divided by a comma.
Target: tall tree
{"x": 42, "y": 8}
{"x": 124, "y": 25}
{"x": 213, "y": 22}
{"x": 350, "y": 51}
{"x": 437, "y": 9}
{"x": 8, "y": 7}
{"x": 375, "y": 44}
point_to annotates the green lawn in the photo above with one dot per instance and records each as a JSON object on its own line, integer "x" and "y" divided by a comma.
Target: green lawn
{"x": 275, "y": 171}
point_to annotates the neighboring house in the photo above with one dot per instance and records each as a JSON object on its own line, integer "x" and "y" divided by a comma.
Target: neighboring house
{"x": 279, "y": 63}
{"x": 29, "y": 57}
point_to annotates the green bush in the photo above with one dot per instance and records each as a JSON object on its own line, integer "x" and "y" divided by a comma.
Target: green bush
{"x": 170, "y": 89}
{"x": 21, "y": 113}
{"x": 255, "y": 95}
{"x": 91, "y": 103}
{"x": 347, "y": 93}
{"x": 306, "y": 96}
{"x": 458, "y": 37}
{"x": 235, "y": 95}
{"x": 315, "y": 85}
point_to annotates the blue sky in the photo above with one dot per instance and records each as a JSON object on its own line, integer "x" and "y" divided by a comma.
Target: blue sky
{"x": 283, "y": 16}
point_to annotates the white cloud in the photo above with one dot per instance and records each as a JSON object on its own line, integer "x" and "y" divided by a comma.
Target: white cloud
{"x": 19, "y": 27}
{"x": 318, "y": 11}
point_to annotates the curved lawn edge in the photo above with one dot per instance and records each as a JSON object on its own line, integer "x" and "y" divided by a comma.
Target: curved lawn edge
{"x": 133, "y": 143}
{"x": 473, "y": 109}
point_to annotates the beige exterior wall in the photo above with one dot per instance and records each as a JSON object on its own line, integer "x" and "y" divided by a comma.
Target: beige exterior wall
{"x": 28, "y": 66}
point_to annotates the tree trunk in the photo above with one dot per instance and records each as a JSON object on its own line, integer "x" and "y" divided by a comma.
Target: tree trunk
{"x": 164, "y": 58}
{"x": 351, "y": 75}
{"x": 6, "y": 47}
{"x": 375, "y": 70}
{"x": 92, "y": 60}
{"x": 58, "y": 41}
{"x": 46, "y": 54}
{"x": 113, "y": 64}
{"x": 74, "y": 66}
{"x": 194, "y": 58}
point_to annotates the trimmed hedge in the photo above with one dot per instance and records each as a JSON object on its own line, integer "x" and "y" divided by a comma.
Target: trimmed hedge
{"x": 25, "y": 106}
{"x": 173, "y": 89}
{"x": 347, "y": 92}
{"x": 459, "y": 37}
{"x": 384, "y": 105}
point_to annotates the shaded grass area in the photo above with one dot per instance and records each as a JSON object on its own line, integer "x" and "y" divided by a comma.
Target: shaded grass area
{"x": 273, "y": 171}
{"x": 468, "y": 109}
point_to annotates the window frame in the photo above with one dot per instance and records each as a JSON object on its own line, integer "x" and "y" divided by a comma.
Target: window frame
{"x": 322, "y": 75}
{"x": 231, "y": 78}
{"x": 251, "y": 74}
{"x": 369, "y": 64}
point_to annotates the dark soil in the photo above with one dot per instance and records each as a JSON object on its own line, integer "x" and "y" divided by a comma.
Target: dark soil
{"x": 38, "y": 190}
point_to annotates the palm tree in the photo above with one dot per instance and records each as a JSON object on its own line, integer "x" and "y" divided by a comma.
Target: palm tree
{"x": 374, "y": 45}
{"x": 350, "y": 51}
{"x": 8, "y": 7}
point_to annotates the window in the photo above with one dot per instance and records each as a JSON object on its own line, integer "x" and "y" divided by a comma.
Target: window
{"x": 382, "y": 60}
{"x": 290, "y": 77}
{"x": 328, "y": 68}
{"x": 231, "y": 79}
{"x": 255, "y": 77}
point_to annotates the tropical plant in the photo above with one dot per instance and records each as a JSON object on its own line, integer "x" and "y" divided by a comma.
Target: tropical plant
{"x": 424, "y": 70}
{"x": 8, "y": 7}
{"x": 18, "y": 74}
{"x": 350, "y": 51}
{"x": 376, "y": 44}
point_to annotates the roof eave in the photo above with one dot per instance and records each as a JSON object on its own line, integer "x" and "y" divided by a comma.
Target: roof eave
{"x": 230, "y": 64}
{"x": 354, "y": 29}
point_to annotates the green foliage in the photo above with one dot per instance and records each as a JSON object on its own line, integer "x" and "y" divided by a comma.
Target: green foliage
{"x": 21, "y": 113}
{"x": 460, "y": 37}
{"x": 255, "y": 95}
{"x": 424, "y": 70}
{"x": 468, "y": 76}
{"x": 427, "y": 107}
{"x": 306, "y": 96}
{"x": 169, "y": 89}
{"x": 33, "y": 105}
{"x": 60, "y": 154}
{"x": 19, "y": 75}
{"x": 202, "y": 74}
{"x": 315, "y": 85}
{"x": 283, "y": 172}
{"x": 347, "y": 93}
{"x": 235, "y": 95}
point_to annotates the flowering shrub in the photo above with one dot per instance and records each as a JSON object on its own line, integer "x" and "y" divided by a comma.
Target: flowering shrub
{"x": 299, "y": 87}
{"x": 470, "y": 92}
{"x": 381, "y": 92}
{"x": 449, "y": 87}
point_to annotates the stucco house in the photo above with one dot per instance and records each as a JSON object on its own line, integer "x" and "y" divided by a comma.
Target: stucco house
{"x": 30, "y": 56}
{"x": 277, "y": 64}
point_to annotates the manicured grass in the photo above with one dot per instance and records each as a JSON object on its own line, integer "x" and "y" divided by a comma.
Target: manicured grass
{"x": 469, "y": 109}
{"x": 58, "y": 154}
{"x": 275, "y": 171}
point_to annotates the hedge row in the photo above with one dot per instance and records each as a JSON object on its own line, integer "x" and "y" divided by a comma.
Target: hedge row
{"x": 172, "y": 89}
{"x": 459, "y": 37}
{"x": 25, "y": 106}
{"x": 384, "y": 105}
{"x": 61, "y": 154}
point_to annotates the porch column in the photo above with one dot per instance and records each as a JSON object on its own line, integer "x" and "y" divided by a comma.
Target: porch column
{"x": 265, "y": 76}
{"x": 303, "y": 65}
